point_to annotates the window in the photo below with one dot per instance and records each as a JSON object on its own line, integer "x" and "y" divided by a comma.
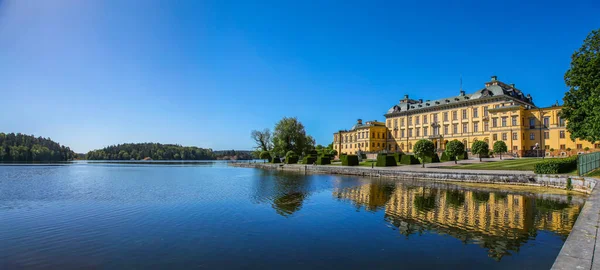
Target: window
{"x": 579, "y": 146}
{"x": 503, "y": 121}
{"x": 485, "y": 111}
{"x": 562, "y": 147}
{"x": 455, "y": 129}
{"x": 436, "y": 130}
{"x": 454, "y": 115}
{"x": 417, "y": 120}
{"x": 378, "y": 135}
{"x": 383, "y": 135}
{"x": 475, "y": 113}
{"x": 546, "y": 135}
{"x": 424, "y": 119}
{"x": 409, "y": 146}
{"x": 464, "y": 126}
{"x": 402, "y": 133}
{"x": 378, "y": 144}
{"x": 435, "y": 117}
{"x": 410, "y": 132}
{"x": 486, "y": 126}
{"x": 532, "y": 136}
{"x": 504, "y": 136}
{"x": 494, "y": 122}
{"x": 562, "y": 134}
{"x": 514, "y": 120}
{"x": 395, "y": 123}
{"x": 515, "y": 148}
{"x": 373, "y": 136}
{"x": 597, "y": 146}
{"x": 476, "y": 127}
{"x": 464, "y": 114}
{"x": 402, "y": 122}
{"x": 561, "y": 122}
{"x": 532, "y": 123}
{"x": 418, "y": 132}
{"x": 389, "y": 123}
{"x": 495, "y": 137}
{"x": 425, "y": 131}
{"x": 395, "y": 133}
{"x": 446, "y": 116}
{"x": 547, "y": 147}
{"x": 446, "y": 129}
{"x": 546, "y": 122}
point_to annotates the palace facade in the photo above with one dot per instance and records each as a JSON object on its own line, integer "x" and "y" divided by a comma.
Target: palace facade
{"x": 498, "y": 112}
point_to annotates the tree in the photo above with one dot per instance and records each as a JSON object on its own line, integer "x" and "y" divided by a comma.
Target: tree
{"x": 424, "y": 148}
{"x": 289, "y": 134}
{"x": 265, "y": 155}
{"x": 500, "y": 147}
{"x": 262, "y": 139}
{"x": 333, "y": 152}
{"x": 582, "y": 101}
{"x": 480, "y": 148}
{"x": 454, "y": 149}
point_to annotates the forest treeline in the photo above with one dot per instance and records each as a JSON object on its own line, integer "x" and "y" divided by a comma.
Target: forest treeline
{"x": 28, "y": 148}
{"x": 155, "y": 151}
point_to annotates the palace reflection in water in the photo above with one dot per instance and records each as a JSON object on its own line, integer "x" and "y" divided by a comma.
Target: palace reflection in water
{"x": 500, "y": 222}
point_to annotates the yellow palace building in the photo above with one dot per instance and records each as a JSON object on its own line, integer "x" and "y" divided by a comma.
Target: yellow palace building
{"x": 498, "y": 112}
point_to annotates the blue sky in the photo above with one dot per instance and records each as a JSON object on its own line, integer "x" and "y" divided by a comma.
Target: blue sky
{"x": 94, "y": 73}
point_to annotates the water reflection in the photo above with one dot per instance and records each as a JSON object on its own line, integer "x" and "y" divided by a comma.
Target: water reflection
{"x": 497, "y": 221}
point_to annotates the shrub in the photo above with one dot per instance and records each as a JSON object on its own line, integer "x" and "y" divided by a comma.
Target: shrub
{"x": 409, "y": 159}
{"x": 290, "y": 153}
{"x": 480, "y": 148}
{"x": 424, "y": 149}
{"x": 276, "y": 159}
{"x": 454, "y": 149}
{"x": 432, "y": 159}
{"x": 463, "y": 156}
{"x": 312, "y": 153}
{"x": 363, "y": 156}
{"x": 291, "y": 160}
{"x": 445, "y": 157}
{"x": 333, "y": 152}
{"x": 500, "y": 147}
{"x": 265, "y": 155}
{"x": 323, "y": 160}
{"x": 559, "y": 165}
{"x": 384, "y": 160}
{"x": 350, "y": 160}
{"x": 397, "y": 156}
{"x": 309, "y": 159}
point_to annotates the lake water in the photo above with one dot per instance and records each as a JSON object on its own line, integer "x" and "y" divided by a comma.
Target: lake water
{"x": 211, "y": 216}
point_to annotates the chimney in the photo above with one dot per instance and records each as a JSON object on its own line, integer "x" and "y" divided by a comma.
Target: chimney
{"x": 494, "y": 78}
{"x": 420, "y": 100}
{"x": 359, "y": 121}
{"x": 529, "y": 98}
{"x": 405, "y": 97}
{"x": 462, "y": 93}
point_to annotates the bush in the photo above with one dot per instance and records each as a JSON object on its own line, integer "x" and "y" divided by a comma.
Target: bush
{"x": 464, "y": 156}
{"x": 350, "y": 160}
{"x": 384, "y": 160}
{"x": 432, "y": 159}
{"x": 291, "y": 160}
{"x": 312, "y": 153}
{"x": 276, "y": 159}
{"x": 265, "y": 155}
{"x": 409, "y": 159}
{"x": 559, "y": 165}
{"x": 397, "y": 156}
{"x": 445, "y": 157}
{"x": 323, "y": 160}
{"x": 309, "y": 159}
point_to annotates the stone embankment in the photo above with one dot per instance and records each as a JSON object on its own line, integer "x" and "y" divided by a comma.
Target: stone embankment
{"x": 582, "y": 184}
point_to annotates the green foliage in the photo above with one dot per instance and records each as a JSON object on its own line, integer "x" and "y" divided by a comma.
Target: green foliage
{"x": 424, "y": 149}
{"x": 425, "y": 203}
{"x": 155, "y": 151}
{"x": 481, "y": 196}
{"x": 582, "y": 102}
{"x": 309, "y": 160}
{"x": 350, "y": 160}
{"x": 289, "y": 134}
{"x": 454, "y": 149}
{"x": 431, "y": 159}
{"x": 27, "y": 148}
{"x": 569, "y": 184}
{"x": 463, "y": 156}
{"x": 409, "y": 159}
{"x": 480, "y": 148}
{"x": 262, "y": 139}
{"x": 265, "y": 155}
{"x": 558, "y": 165}
{"x": 276, "y": 159}
{"x": 290, "y": 154}
{"x": 445, "y": 157}
{"x": 229, "y": 155}
{"x": 500, "y": 147}
{"x": 291, "y": 159}
{"x": 455, "y": 198}
{"x": 333, "y": 152}
{"x": 323, "y": 160}
{"x": 384, "y": 160}
{"x": 398, "y": 157}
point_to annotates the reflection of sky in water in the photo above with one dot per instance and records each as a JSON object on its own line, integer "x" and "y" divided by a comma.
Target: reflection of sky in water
{"x": 117, "y": 216}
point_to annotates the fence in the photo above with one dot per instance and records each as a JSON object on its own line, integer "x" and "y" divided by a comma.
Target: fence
{"x": 587, "y": 163}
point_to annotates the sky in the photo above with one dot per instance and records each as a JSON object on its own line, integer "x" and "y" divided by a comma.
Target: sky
{"x": 94, "y": 73}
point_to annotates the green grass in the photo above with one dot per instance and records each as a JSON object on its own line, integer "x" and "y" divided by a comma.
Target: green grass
{"x": 595, "y": 173}
{"x": 524, "y": 164}
{"x": 368, "y": 163}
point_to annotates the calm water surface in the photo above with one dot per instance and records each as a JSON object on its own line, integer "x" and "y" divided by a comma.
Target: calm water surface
{"x": 210, "y": 216}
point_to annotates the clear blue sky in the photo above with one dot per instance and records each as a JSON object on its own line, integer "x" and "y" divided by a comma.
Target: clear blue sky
{"x": 94, "y": 73}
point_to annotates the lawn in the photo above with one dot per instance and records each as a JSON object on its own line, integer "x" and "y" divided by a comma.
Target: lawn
{"x": 595, "y": 173}
{"x": 524, "y": 164}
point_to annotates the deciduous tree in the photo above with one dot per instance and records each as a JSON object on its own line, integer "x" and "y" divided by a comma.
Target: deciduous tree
{"x": 454, "y": 149}
{"x": 424, "y": 148}
{"x": 500, "y": 147}
{"x": 480, "y": 148}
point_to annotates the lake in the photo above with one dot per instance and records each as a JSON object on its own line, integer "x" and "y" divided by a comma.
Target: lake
{"x": 211, "y": 216}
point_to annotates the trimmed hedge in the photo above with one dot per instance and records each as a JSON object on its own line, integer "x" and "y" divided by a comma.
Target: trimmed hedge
{"x": 384, "y": 160}
{"x": 397, "y": 156}
{"x": 560, "y": 165}
{"x": 350, "y": 160}
{"x": 309, "y": 160}
{"x": 464, "y": 156}
{"x": 409, "y": 159}
{"x": 363, "y": 156}
{"x": 323, "y": 161}
{"x": 445, "y": 157}
{"x": 292, "y": 160}
{"x": 276, "y": 159}
{"x": 433, "y": 159}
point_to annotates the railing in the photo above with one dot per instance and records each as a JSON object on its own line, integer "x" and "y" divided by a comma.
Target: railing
{"x": 587, "y": 163}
